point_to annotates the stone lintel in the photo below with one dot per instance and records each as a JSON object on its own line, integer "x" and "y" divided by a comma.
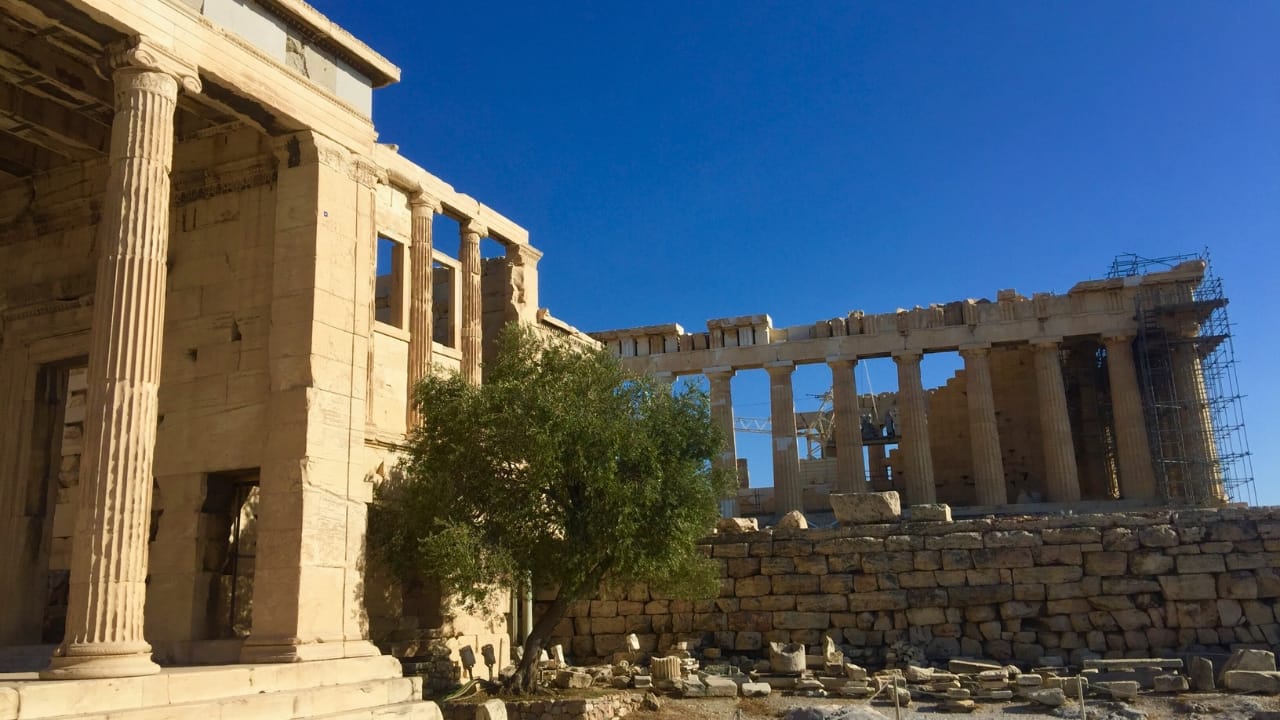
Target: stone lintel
{"x": 908, "y": 354}
{"x": 719, "y": 370}
{"x": 779, "y": 365}
{"x": 1044, "y": 342}
{"x": 837, "y": 360}
{"x": 975, "y": 347}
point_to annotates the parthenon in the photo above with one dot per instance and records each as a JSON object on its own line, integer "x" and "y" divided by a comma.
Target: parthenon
{"x": 1049, "y": 403}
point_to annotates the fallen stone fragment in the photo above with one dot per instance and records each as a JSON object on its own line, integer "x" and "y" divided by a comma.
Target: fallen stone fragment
{"x": 786, "y": 658}
{"x": 620, "y": 682}
{"x": 1202, "y": 674}
{"x": 692, "y": 687}
{"x": 735, "y": 525}
{"x": 1259, "y": 660}
{"x": 793, "y": 520}
{"x": 1072, "y": 686}
{"x": 995, "y": 694}
{"x": 1051, "y": 697}
{"x": 916, "y": 674}
{"x": 720, "y": 686}
{"x": 651, "y": 702}
{"x": 937, "y": 512}
{"x": 862, "y": 508}
{"x": 968, "y": 666}
{"x": 491, "y": 710}
{"x": 755, "y": 689}
{"x": 1119, "y": 689}
{"x": 1252, "y": 681}
{"x": 959, "y": 706}
{"x": 855, "y": 672}
{"x": 832, "y": 712}
{"x": 641, "y": 682}
{"x": 570, "y": 679}
{"x": 665, "y": 668}
{"x": 1171, "y": 684}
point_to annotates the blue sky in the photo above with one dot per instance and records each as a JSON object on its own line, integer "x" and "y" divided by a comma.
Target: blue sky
{"x": 682, "y": 161}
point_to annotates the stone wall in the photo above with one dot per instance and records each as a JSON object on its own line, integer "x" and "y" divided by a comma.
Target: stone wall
{"x": 1013, "y": 588}
{"x": 604, "y": 707}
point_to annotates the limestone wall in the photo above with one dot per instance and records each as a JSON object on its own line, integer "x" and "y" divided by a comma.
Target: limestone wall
{"x": 1014, "y": 588}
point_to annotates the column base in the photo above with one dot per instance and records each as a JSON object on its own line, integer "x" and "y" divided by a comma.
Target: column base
{"x": 293, "y": 650}
{"x": 90, "y": 661}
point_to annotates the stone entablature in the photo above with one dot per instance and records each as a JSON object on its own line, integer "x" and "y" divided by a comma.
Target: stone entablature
{"x": 1093, "y": 307}
{"x": 1147, "y": 584}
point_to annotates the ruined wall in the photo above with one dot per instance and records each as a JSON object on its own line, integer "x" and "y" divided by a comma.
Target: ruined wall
{"x": 1016, "y": 588}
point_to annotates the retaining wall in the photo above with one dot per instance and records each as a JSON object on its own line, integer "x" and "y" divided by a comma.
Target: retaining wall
{"x": 1009, "y": 588}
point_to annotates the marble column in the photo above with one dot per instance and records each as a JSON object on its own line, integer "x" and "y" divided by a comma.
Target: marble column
{"x": 104, "y": 625}
{"x": 851, "y": 473}
{"x": 1137, "y": 476}
{"x": 472, "y": 302}
{"x": 877, "y": 459}
{"x": 915, "y": 448}
{"x": 1203, "y": 477}
{"x": 984, "y": 435}
{"x": 1062, "y": 481}
{"x": 722, "y": 417}
{"x": 786, "y": 456}
{"x": 423, "y": 208}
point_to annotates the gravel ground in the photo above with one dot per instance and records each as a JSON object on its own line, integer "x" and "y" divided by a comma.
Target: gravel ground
{"x": 1197, "y": 706}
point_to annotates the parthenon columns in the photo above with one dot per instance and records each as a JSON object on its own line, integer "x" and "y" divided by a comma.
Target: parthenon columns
{"x": 851, "y": 474}
{"x": 104, "y": 625}
{"x": 1202, "y": 475}
{"x": 421, "y": 268}
{"x": 786, "y": 457}
{"x": 984, "y": 436}
{"x": 472, "y": 307}
{"x": 1062, "y": 482}
{"x": 722, "y": 416}
{"x": 1137, "y": 477}
{"x": 917, "y": 454}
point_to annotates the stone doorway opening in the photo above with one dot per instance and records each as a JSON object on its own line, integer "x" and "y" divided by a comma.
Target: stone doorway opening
{"x": 231, "y": 503}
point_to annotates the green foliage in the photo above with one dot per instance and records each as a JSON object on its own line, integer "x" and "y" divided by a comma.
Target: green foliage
{"x": 561, "y": 465}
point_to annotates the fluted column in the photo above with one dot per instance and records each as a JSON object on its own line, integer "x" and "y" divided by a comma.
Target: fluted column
{"x": 786, "y": 456}
{"x": 877, "y": 460}
{"x": 421, "y": 268}
{"x": 1062, "y": 481}
{"x": 984, "y": 435}
{"x": 851, "y": 473}
{"x": 472, "y": 304}
{"x": 1137, "y": 476}
{"x": 722, "y": 416}
{"x": 104, "y": 626}
{"x": 1203, "y": 477}
{"x": 914, "y": 419}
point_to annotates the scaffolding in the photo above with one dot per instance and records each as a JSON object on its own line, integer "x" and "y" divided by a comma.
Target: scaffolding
{"x": 1191, "y": 395}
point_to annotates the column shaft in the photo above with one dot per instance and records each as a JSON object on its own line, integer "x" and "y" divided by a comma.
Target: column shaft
{"x": 104, "y": 627}
{"x": 1062, "y": 482}
{"x": 421, "y": 325}
{"x": 786, "y": 457}
{"x": 879, "y": 467}
{"x": 916, "y": 450}
{"x": 1137, "y": 476}
{"x": 722, "y": 417}
{"x": 984, "y": 435}
{"x": 1203, "y": 477}
{"x": 472, "y": 306}
{"x": 851, "y": 473}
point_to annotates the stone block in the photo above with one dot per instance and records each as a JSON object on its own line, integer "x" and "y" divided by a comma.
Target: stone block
{"x": 1251, "y": 659}
{"x": 863, "y": 508}
{"x": 1003, "y": 557}
{"x": 1106, "y": 563}
{"x": 1191, "y": 564}
{"x": 1189, "y": 587}
{"x": 719, "y": 686}
{"x": 794, "y": 520}
{"x": 1158, "y": 536}
{"x": 1170, "y": 684}
{"x": 755, "y": 689}
{"x": 1252, "y": 681}
{"x": 497, "y": 710}
{"x": 954, "y": 541}
{"x": 1201, "y": 670}
{"x": 786, "y": 658}
{"x": 1150, "y": 562}
{"x": 931, "y": 513}
{"x": 731, "y": 526}
{"x": 1067, "y": 536}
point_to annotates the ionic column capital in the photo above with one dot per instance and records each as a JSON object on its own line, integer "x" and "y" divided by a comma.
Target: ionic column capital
{"x": 471, "y": 226}
{"x": 422, "y": 202}
{"x": 141, "y": 55}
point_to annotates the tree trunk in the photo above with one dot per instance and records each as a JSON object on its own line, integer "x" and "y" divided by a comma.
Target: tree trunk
{"x": 526, "y": 677}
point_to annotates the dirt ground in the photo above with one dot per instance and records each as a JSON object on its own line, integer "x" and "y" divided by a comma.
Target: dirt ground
{"x": 1192, "y": 706}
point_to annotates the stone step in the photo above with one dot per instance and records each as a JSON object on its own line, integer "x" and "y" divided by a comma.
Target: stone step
{"x": 214, "y": 685}
{"x": 413, "y": 710}
{"x": 348, "y": 701}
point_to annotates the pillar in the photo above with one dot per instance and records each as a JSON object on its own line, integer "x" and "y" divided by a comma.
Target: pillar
{"x": 472, "y": 301}
{"x": 423, "y": 208}
{"x": 984, "y": 435}
{"x": 104, "y": 626}
{"x": 313, "y": 493}
{"x": 1062, "y": 482}
{"x": 722, "y": 417}
{"x": 877, "y": 459}
{"x": 851, "y": 473}
{"x": 786, "y": 457}
{"x": 1133, "y": 451}
{"x": 1203, "y": 476}
{"x": 914, "y": 429}
{"x": 522, "y": 295}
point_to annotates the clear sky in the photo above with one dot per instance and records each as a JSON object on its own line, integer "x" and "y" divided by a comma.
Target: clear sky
{"x": 682, "y": 161}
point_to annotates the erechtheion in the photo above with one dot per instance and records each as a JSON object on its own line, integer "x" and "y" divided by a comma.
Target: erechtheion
{"x": 219, "y": 287}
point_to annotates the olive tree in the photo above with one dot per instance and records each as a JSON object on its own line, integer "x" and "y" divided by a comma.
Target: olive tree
{"x": 563, "y": 467}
